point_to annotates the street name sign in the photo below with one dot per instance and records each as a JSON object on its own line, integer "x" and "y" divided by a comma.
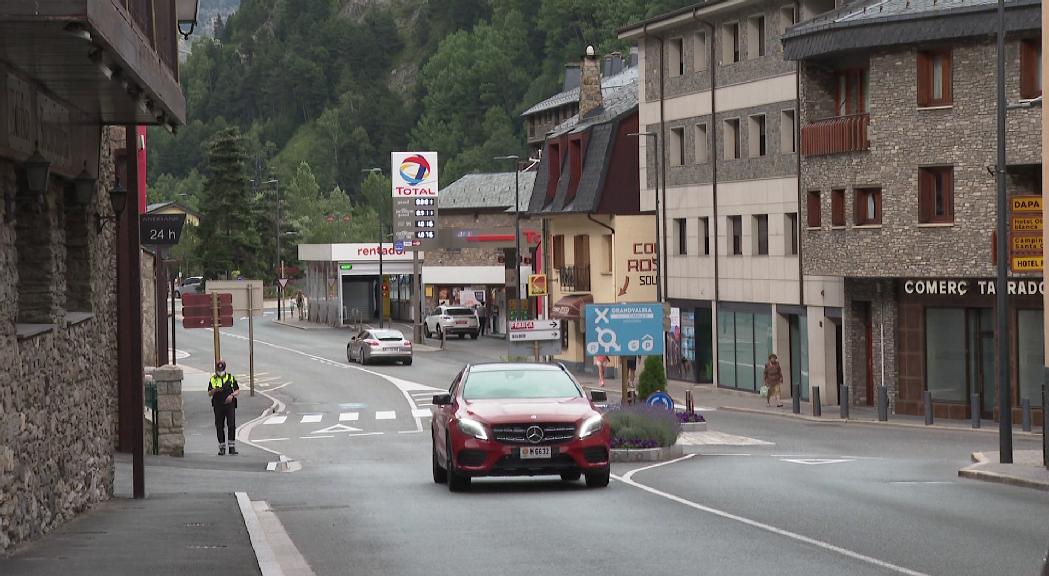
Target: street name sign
{"x": 531, "y": 330}
{"x": 161, "y": 229}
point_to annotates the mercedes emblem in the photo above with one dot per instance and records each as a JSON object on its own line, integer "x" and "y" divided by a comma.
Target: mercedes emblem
{"x": 534, "y": 434}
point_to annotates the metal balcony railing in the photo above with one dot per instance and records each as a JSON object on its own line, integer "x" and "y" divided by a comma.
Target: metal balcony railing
{"x": 575, "y": 278}
{"x": 835, "y": 135}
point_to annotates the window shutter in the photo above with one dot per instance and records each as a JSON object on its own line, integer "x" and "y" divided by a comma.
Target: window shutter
{"x": 923, "y": 79}
{"x": 877, "y": 206}
{"x": 948, "y": 192}
{"x": 948, "y": 84}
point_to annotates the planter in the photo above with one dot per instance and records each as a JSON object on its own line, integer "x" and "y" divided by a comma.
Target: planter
{"x": 647, "y": 454}
{"x": 693, "y": 426}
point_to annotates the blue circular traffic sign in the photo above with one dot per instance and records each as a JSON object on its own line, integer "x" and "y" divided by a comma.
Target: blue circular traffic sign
{"x": 661, "y": 399}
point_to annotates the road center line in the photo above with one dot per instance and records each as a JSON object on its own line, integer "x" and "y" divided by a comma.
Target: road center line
{"x": 628, "y": 479}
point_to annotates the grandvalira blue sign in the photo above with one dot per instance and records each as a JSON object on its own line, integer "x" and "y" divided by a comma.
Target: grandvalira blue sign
{"x": 624, "y": 329}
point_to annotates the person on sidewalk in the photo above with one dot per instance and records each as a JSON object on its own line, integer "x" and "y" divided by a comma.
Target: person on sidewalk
{"x": 773, "y": 379}
{"x": 300, "y": 303}
{"x": 600, "y": 361}
{"x": 482, "y": 318}
{"x": 223, "y": 390}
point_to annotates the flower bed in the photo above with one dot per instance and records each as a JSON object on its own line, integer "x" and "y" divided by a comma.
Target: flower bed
{"x": 642, "y": 427}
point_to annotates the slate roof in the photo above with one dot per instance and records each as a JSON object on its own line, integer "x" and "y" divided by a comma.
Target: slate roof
{"x": 486, "y": 190}
{"x": 626, "y": 77}
{"x": 867, "y": 24}
{"x": 158, "y": 205}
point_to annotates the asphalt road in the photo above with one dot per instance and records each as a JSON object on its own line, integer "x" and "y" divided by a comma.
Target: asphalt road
{"x": 759, "y": 495}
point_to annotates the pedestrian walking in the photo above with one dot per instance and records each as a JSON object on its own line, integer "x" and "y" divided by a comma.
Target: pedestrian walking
{"x": 773, "y": 380}
{"x": 300, "y": 302}
{"x": 600, "y": 361}
{"x": 482, "y": 318}
{"x": 223, "y": 390}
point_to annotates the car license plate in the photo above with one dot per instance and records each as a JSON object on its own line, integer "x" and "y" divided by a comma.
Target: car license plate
{"x": 461, "y": 322}
{"x": 535, "y": 452}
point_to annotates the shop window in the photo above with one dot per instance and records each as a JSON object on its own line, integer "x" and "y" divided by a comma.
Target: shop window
{"x": 868, "y": 206}
{"x": 676, "y": 57}
{"x": 761, "y": 234}
{"x": 1030, "y": 355}
{"x": 681, "y": 233}
{"x": 756, "y": 144}
{"x": 1031, "y": 68}
{"x": 730, "y": 43}
{"x": 936, "y": 194}
{"x": 934, "y": 78}
{"x": 945, "y": 358}
{"x": 755, "y": 37}
{"x": 812, "y": 208}
{"x": 837, "y": 207}
{"x": 735, "y": 224}
{"x": 744, "y": 343}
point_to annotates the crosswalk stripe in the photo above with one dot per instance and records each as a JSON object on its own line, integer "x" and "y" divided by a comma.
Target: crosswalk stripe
{"x": 311, "y": 418}
{"x": 421, "y": 413}
{"x": 275, "y": 420}
{"x": 386, "y": 415}
{"x": 348, "y": 417}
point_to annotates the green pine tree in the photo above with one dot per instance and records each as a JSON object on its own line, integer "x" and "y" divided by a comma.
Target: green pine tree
{"x": 229, "y": 236}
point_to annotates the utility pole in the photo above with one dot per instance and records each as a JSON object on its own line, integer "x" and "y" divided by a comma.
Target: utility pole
{"x": 1005, "y": 414}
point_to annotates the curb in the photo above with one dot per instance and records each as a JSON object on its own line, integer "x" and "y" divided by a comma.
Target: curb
{"x": 263, "y": 553}
{"x": 647, "y": 454}
{"x": 973, "y": 472}
{"x": 693, "y": 426}
{"x": 789, "y": 415}
{"x": 283, "y": 323}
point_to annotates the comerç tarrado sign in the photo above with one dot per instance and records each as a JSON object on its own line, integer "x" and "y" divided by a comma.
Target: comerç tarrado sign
{"x": 969, "y": 287}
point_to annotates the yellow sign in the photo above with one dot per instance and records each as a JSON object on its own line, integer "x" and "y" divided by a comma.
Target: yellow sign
{"x": 1027, "y": 243}
{"x": 1027, "y": 223}
{"x": 1026, "y": 203}
{"x": 1027, "y": 264}
{"x": 537, "y": 285}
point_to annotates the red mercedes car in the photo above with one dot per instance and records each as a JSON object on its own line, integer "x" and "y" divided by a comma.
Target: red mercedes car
{"x": 509, "y": 419}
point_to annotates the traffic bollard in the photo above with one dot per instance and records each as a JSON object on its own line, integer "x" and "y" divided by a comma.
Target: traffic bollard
{"x": 443, "y": 337}
{"x": 796, "y": 398}
{"x": 843, "y": 401}
{"x": 974, "y": 410}
{"x": 927, "y": 400}
{"x": 817, "y": 404}
{"x": 883, "y": 404}
{"x": 1025, "y": 414}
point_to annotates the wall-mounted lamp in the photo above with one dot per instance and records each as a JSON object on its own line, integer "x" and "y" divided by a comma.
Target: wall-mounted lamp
{"x": 186, "y": 16}
{"x": 38, "y": 172}
{"x": 84, "y": 186}
{"x": 118, "y": 200}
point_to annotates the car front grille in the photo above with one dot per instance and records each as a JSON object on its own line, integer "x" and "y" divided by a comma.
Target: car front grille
{"x": 518, "y": 433}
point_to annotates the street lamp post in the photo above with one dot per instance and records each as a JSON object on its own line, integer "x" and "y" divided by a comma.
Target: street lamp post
{"x": 279, "y": 263}
{"x": 382, "y": 297}
{"x": 1005, "y": 415}
{"x": 659, "y": 216}
{"x": 517, "y": 221}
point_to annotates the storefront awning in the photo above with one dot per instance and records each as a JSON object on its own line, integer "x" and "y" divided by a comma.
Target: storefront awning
{"x": 570, "y": 307}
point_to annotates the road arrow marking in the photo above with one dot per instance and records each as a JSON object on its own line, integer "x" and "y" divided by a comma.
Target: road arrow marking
{"x": 816, "y": 461}
{"x": 337, "y": 428}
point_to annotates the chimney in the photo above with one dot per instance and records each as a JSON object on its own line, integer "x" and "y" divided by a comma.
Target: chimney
{"x": 617, "y": 63}
{"x": 590, "y": 88}
{"x": 571, "y": 77}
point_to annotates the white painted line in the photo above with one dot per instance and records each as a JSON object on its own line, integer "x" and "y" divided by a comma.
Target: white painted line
{"x": 422, "y": 413}
{"x": 386, "y": 415}
{"x": 910, "y": 482}
{"x": 349, "y": 417}
{"x": 311, "y": 418}
{"x": 263, "y": 553}
{"x": 411, "y": 431}
{"x": 628, "y": 479}
{"x": 312, "y": 437}
{"x": 244, "y": 430}
{"x": 276, "y": 419}
{"x": 271, "y": 467}
{"x": 723, "y": 454}
{"x": 284, "y": 550}
{"x": 279, "y": 387}
{"x": 270, "y": 440}
{"x": 816, "y": 461}
{"x": 337, "y": 428}
{"x": 368, "y": 434}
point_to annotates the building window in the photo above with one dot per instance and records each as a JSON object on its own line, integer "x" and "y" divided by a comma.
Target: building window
{"x": 812, "y": 208}
{"x": 559, "y": 251}
{"x": 735, "y": 225}
{"x": 852, "y": 91}
{"x": 945, "y": 357}
{"x": 677, "y": 146}
{"x": 744, "y": 344}
{"x": 575, "y": 166}
{"x": 730, "y": 43}
{"x": 732, "y": 139}
{"x": 837, "y": 207}
{"x": 868, "y": 206}
{"x": 792, "y": 229}
{"x": 936, "y": 194}
{"x": 755, "y": 37}
{"x": 1031, "y": 68}
{"x": 37, "y": 263}
{"x": 787, "y": 132}
{"x": 681, "y": 231}
{"x": 1029, "y": 355}
{"x": 787, "y": 18}
{"x": 934, "y": 78}
{"x": 761, "y": 234}
{"x": 702, "y": 144}
{"x": 704, "y": 230}
{"x": 677, "y": 61}
{"x": 606, "y": 241}
{"x": 756, "y": 136}
{"x": 701, "y": 51}
{"x": 554, "y": 162}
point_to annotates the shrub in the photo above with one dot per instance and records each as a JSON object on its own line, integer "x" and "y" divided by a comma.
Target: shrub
{"x": 653, "y": 378}
{"x": 642, "y": 426}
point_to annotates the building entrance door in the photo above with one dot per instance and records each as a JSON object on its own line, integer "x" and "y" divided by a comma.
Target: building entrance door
{"x": 799, "y": 355}
{"x": 981, "y": 359}
{"x": 868, "y": 348}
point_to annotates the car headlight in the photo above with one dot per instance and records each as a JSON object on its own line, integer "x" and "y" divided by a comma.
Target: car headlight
{"x": 472, "y": 428}
{"x": 591, "y": 425}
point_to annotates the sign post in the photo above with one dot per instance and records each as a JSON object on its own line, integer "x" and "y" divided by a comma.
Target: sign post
{"x": 215, "y": 325}
{"x": 251, "y": 343}
{"x": 415, "y": 183}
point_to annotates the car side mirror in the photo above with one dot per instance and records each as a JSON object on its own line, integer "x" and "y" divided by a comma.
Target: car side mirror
{"x": 598, "y": 396}
{"x": 442, "y": 399}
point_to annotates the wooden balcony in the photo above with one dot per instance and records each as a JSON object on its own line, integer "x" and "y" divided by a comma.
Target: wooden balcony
{"x": 835, "y": 135}
{"x": 574, "y": 278}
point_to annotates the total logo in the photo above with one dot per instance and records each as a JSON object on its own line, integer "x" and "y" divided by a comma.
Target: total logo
{"x": 415, "y": 170}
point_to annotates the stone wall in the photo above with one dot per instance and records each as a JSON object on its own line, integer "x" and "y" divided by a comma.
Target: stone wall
{"x": 879, "y": 297}
{"x": 149, "y": 308}
{"x": 170, "y": 414}
{"x": 58, "y": 383}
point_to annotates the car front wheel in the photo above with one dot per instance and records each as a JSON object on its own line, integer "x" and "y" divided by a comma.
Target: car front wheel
{"x": 440, "y": 475}
{"x": 349, "y": 355}
{"x": 598, "y": 479}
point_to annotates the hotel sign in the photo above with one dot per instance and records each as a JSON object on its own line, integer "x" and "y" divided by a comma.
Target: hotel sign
{"x": 1025, "y": 234}
{"x": 967, "y": 287}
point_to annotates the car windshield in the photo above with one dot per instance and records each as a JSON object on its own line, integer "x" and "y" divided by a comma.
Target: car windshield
{"x": 459, "y": 312}
{"x": 519, "y": 383}
{"x": 387, "y": 335}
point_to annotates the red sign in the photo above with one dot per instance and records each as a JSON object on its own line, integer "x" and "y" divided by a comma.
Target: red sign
{"x": 197, "y": 310}
{"x": 205, "y": 299}
{"x": 224, "y": 322}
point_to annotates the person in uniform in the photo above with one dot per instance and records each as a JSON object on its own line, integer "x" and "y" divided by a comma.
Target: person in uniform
{"x": 223, "y": 390}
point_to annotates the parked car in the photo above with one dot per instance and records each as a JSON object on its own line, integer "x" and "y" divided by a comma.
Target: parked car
{"x": 518, "y": 419}
{"x": 452, "y": 320}
{"x": 371, "y": 345}
{"x": 190, "y": 285}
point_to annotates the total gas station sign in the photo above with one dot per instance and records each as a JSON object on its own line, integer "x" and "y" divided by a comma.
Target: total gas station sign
{"x": 415, "y": 189}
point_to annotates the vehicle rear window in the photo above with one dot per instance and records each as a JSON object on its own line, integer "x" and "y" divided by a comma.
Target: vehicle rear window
{"x": 510, "y": 384}
{"x": 459, "y": 312}
{"x": 387, "y": 335}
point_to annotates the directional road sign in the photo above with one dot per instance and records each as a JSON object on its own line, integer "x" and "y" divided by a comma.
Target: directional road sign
{"x": 535, "y": 335}
{"x": 530, "y": 330}
{"x": 660, "y": 399}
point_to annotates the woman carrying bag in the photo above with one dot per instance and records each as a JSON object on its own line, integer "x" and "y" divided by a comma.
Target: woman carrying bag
{"x": 773, "y": 380}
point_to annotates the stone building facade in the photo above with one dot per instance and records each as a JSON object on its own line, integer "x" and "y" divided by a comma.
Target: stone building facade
{"x": 898, "y": 152}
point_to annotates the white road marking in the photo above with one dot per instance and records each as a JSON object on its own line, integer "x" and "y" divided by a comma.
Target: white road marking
{"x": 723, "y": 454}
{"x": 816, "y": 461}
{"x": 411, "y": 431}
{"x": 367, "y": 434}
{"x": 422, "y": 413}
{"x": 312, "y": 437}
{"x": 349, "y": 417}
{"x": 311, "y": 418}
{"x": 275, "y": 420}
{"x": 270, "y": 440}
{"x": 711, "y": 438}
{"x": 386, "y": 415}
{"x": 628, "y": 479}
{"x": 908, "y": 482}
{"x": 337, "y": 428}
{"x": 271, "y": 466}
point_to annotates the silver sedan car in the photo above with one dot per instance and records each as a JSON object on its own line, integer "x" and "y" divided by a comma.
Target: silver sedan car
{"x": 379, "y": 344}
